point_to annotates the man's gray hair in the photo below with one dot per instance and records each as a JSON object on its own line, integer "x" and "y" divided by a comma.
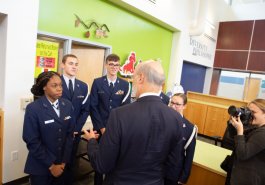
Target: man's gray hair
{"x": 153, "y": 72}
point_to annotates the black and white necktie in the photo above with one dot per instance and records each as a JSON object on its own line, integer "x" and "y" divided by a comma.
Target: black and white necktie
{"x": 56, "y": 108}
{"x": 71, "y": 89}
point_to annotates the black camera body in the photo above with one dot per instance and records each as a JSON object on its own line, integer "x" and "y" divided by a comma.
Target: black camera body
{"x": 243, "y": 112}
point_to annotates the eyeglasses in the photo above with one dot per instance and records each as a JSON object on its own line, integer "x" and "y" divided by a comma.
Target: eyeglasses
{"x": 176, "y": 104}
{"x": 113, "y": 65}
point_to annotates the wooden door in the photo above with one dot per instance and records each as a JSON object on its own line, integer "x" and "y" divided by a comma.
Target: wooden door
{"x": 196, "y": 114}
{"x": 252, "y": 88}
{"x": 91, "y": 62}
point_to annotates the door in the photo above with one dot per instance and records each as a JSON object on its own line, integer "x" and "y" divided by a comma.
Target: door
{"x": 91, "y": 62}
{"x": 192, "y": 77}
{"x": 251, "y": 89}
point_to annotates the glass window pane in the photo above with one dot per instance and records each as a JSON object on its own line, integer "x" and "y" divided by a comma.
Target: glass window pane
{"x": 232, "y": 84}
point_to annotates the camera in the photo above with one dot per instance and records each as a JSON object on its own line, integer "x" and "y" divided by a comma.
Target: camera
{"x": 243, "y": 112}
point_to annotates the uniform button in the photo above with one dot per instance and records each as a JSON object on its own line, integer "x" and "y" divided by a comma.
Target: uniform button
{"x": 110, "y": 107}
{"x": 110, "y": 100}
{"x": 59, "y": 139}
{"x": 60, "y": 130}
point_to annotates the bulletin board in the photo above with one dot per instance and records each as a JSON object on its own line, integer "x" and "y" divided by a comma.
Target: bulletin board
{"x": 46, "y": 56}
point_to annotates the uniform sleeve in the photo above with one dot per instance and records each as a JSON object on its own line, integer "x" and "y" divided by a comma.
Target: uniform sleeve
{"x": 94, "y": 108}
{"x": 69, "y": 139}
{"x": 103, "y": 157}
{"x": 188, "y": 161}
{"x": 32, "y": 137}
{"x": 85, "y": 108}
{"x": 255, "y": 144}
{"x": 127, "y": 94}
{"x": 174, "y": 163}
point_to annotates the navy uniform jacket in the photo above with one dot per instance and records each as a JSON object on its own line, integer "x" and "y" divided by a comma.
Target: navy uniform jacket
{"x": 81, "y": 108}
{"x": 188, "y": 158}
{"x": 48, "y": 137}
{"x": 164, "y": 98}
{"x": 139, "y": 140}
{"x": 103, "y": 100}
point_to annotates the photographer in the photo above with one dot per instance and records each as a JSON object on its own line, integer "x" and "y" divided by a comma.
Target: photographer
{"x": 249, "y": 149}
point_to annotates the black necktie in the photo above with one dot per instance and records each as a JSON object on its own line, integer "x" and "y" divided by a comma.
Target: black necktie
{"x": 71, "y": 90}
{"x": 56, "y": 105}
{"x": 111, "y": 86}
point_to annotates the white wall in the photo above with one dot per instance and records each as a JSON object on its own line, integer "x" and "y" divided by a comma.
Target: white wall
{"x": 250, "y": 11}
{"x": 3, "y": 33}
{"x": 22, "y": 18}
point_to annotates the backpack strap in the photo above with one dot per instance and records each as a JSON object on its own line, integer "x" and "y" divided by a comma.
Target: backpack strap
{"x": 193, "y": 134}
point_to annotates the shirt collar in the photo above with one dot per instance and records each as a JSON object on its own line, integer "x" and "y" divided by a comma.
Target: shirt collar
{"x": 54, "y": 103}
{"x": 67, "y": 79}
{"x": 113, "y": 82}
{"x": 149, "y": 94}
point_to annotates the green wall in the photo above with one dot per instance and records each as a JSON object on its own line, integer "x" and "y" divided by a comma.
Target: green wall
{"x": 128, "y": 32}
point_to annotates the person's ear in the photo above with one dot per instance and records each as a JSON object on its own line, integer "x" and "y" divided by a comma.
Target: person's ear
{"x": 141, "y": 78}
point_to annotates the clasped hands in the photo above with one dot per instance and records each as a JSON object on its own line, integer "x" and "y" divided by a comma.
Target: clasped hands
{"x": 57, "y": 169}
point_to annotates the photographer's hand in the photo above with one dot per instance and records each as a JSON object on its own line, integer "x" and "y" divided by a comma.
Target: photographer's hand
{"x": 236, "y": 122}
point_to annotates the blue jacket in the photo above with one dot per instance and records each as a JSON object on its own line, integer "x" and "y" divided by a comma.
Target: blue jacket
{"x": 48, "y": 137}
{"x": 81, "y": 108}
{"x": 103, "y": 100}
{"x": 187, "y": 156}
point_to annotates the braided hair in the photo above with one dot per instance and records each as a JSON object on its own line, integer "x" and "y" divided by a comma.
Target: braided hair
{"x": 41, "y": 82}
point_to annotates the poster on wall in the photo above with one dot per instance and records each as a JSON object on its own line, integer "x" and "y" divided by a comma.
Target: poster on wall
{"x": 46, "y": 56}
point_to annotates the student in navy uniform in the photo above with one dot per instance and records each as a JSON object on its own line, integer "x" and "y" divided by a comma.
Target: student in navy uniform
{"x": 48, "y": 131}
{"x": 75, "y": 91}
{"x": 107, "y": 92}
{"x": 178, "y": 103}
{"x": 165, "y": 99}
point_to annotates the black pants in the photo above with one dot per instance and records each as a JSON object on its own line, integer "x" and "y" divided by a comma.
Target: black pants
{"x": 98, "y": 177}
{"x": 71, "y": 166}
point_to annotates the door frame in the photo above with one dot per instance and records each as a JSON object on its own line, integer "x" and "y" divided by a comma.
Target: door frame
{"x": 67, "y": 40}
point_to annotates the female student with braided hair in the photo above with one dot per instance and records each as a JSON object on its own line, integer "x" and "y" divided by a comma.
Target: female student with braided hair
{"x": 48, "y": 131}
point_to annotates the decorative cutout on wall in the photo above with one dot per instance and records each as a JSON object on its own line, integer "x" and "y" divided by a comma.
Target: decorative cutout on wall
{"x": 100, "y": 32}
{"x": 127, "y": 69}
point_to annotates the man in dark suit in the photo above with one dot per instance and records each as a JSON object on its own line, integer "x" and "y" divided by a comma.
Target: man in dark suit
{"x": 107, "y": 92}
{"x": 141, "y": 137}
{"x": 76, "y": 92}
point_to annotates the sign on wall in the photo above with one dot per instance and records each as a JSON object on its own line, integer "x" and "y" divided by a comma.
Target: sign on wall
{"x": 46, "y": 56}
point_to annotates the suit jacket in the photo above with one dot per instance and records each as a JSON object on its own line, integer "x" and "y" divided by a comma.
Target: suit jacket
{"x": 187, "y": 155}
{"x": 140, "y": 139}
{"x": 81, "y": 108}
{"x": 48, "y": 137}
{"x": 103, "y": 99}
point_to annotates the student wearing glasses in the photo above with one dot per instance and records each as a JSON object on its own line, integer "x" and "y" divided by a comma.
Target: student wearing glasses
{"x": 178, "y": 103}
{"x": 107, "y": 93}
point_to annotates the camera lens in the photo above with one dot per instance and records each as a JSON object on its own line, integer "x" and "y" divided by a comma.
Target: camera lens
{"x": 232, "y": 110}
